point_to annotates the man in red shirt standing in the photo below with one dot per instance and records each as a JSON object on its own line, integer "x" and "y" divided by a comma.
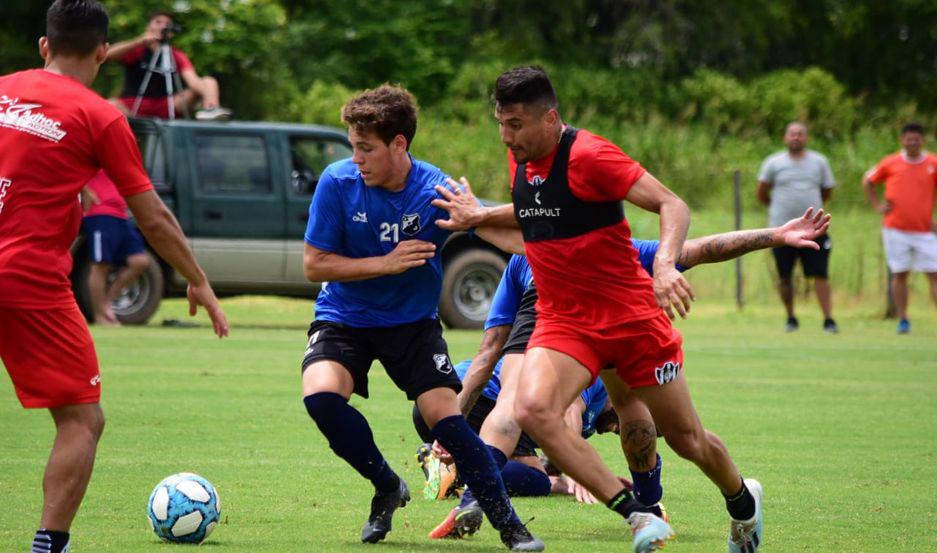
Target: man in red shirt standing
{"x": 908, "y": 227}
{"x": 597, "y": 308}
{"x": 55, "y": 134}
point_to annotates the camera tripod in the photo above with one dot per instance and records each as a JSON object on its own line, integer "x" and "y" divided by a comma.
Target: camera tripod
{"x": 162, "y": 63}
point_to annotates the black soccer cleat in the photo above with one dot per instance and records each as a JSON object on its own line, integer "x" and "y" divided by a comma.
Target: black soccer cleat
{"x": 383, "y": 506}
{"x": 519, "y": 538}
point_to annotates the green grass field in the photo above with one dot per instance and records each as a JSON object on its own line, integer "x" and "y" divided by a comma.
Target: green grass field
{"x": 841, "y": 430}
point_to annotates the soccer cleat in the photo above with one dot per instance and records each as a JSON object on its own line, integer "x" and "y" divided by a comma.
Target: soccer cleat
{"x": 382, "y": 511}
{"x": 441, "y": 479}
{"x": 829, "y": 325}
{"x": 792, "y": 324}
{"x": 661, "y": 511}
{"x": 745, "y": 536}
{"x": 460, "y": 522}
{"x": 519, "y": 538}
{"x": 649, "y": 531}
{"x": 904, "y": 326}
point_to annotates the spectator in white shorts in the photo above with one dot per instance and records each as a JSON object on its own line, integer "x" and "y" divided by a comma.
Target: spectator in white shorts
{"x": 910, "y": 178}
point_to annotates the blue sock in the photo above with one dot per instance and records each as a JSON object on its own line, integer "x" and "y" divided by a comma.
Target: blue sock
{"x": 521, "y": 480}
{"x": 500, "y": 460}
{"x": 647, "y": 488}
{"x": 350, "y": 438}
{"x": 478, "y": 469}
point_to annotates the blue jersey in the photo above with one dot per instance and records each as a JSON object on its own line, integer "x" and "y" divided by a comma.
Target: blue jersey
{"x": 493, "y": 387}
{"x": 350, "y": 219}
{"x": 517, "y": 278}
{"x": 595, "y": 397}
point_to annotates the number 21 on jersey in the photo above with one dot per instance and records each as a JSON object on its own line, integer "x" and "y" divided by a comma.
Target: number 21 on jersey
{"x": 390, "y": 232}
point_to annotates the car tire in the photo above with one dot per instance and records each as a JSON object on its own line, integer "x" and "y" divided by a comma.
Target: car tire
{"x": 137, "y": 303}
{"x": 469, "y": 282}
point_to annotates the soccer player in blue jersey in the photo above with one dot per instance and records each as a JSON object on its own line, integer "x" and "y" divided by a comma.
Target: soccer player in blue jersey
{"x": 511, "y": 321}
{"x": 373, "y": 243}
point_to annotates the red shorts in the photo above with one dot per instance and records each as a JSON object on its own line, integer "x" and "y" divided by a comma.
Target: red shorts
{"x": 49, "y": 355}
{"x": 643, "y": 353}
{"x": 152, "y": 107}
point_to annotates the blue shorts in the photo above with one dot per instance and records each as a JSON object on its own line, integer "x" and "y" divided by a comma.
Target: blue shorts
{"x": 112, "y": 240}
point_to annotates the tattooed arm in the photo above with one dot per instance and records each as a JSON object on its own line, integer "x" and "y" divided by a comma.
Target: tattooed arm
{"x": 798, "y": 233}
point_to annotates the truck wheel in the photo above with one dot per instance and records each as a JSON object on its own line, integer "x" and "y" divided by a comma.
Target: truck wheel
{"x": 468, "y": 286}
{"x": 136, "y": 304}
{"x": 139, "y": 301}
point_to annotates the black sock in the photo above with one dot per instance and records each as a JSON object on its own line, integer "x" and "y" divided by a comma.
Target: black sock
{"x": 478, "y": 469}
{"x": 521, "y": 480}
{"x": 350, "y": 438}
{"x": 624, "y": 504}
{"x": 741, "y": 505}
{"x": 50, "y": 541}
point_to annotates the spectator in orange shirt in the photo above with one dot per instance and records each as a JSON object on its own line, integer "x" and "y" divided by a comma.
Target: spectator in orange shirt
{"x": 910, "y": 232}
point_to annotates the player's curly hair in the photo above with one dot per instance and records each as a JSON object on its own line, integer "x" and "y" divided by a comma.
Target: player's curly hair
{"x": 76, "y": 27}
{"x": 387, "y": 111}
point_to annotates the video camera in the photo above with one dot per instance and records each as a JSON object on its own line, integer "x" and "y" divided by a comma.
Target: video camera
{"x": 173, "y": 29}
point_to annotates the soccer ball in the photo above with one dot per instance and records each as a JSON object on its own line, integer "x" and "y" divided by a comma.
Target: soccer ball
{"x": 183, "y": 508}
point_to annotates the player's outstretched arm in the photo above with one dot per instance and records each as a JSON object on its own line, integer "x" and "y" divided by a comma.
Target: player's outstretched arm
{"x": 324, "y": 266}
{"x": 465, "y": 212}
{"x": 509, "y": 240}
{"x": 799, "y": 233}
{"x": 162, "y": 231}
{"x": 673, "y": 292}
{"x": 483, "y": 364}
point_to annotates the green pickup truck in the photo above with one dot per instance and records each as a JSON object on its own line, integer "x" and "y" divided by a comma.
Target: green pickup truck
{"x": 241, "y": 192}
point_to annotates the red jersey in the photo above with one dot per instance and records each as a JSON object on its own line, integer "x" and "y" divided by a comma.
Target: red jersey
{"x": 910, "y": 189}
{"x": 109, "y": 201}
{"x": 593, "y": 280}
{"x": 55, "y": 134}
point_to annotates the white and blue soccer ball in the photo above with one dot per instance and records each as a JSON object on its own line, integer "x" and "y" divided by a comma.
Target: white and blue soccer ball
{"x": 184, "y": 508}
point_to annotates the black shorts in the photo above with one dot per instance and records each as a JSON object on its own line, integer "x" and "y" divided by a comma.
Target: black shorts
{"x": 526, "y": 446}
{"x": 524, "y": 323}
{"x": 814, "y": 262}
{"x": 414, "y": 355}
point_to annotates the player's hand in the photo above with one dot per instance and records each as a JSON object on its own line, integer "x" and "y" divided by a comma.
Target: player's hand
{"x": 884, "y": 207}
{"x": 933, "y": 227}
{"x": 88, "y": 198}
{"x": 461, "y": 204}
{"x": 407, "y": 255}
{"x": 581, "y": 494}
{"x": 672, "y": 291}
{"x": 203, "y": 295}
{"x": 801, "y": 232}
{"x": 440, "y": 452}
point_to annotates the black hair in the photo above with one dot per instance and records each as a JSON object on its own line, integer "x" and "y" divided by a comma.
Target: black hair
{"x": 525, "y": 85}
{"x": 912, "y": 127}
{"x": 76, "y": 27}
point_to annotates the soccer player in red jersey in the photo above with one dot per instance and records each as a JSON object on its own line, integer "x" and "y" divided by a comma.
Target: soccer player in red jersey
{"x": 55, "y": 134}
{"x": 597, "y": 308}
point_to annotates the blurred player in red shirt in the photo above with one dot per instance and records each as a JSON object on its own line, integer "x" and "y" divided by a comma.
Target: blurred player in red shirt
{"x": 55, "y": 134}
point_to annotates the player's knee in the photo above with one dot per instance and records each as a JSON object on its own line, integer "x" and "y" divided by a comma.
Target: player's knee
{"x": 141, "y": 261}
{"x": 688, "y": 445}
{"x": 532, "y": 414}
{"x": 322, "y": 405}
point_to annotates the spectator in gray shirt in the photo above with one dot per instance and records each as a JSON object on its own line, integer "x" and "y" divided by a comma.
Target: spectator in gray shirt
{"x": 788, "y": 183}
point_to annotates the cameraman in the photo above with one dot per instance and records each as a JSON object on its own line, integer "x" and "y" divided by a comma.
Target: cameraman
{"x": 136, "y": 55}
